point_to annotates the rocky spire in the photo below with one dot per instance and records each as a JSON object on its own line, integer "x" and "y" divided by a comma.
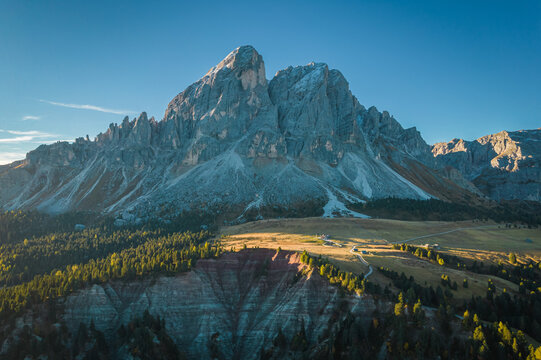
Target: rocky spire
{"x": 246, "y": 63}
{"x": 141, "y": 132}
{"x": 230, "y": 101}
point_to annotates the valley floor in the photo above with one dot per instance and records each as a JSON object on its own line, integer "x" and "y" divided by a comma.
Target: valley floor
{"x": 373, "y": 238}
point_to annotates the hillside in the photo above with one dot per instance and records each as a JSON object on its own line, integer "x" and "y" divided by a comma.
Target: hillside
{"x": 474, "y": 252}
{"x": 271, "y": 289}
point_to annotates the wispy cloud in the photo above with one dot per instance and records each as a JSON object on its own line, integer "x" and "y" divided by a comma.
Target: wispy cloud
{"x": 9, "y": 157}
{"x": 25, "y": 136}
{"x": 31, "y": 132}
{"x": 88, "y": 107}
{"x": 17, "y": 139}
{"x": 30, "y": 117}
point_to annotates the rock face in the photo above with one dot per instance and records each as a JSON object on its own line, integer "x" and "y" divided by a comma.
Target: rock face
{"x": 244, "y": 297}
{"x": 234, "y": 138}
{"x": 504, "y": 166}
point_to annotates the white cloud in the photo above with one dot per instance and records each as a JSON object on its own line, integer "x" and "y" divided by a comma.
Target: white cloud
{"x": 89, "y": 107}
{"x": 17, "y": 139}
{"x": 9, "y": 157}
{"x": 25, "y": 136}
{"x": 31, "y": 132}
{"x": 31, "y": 117}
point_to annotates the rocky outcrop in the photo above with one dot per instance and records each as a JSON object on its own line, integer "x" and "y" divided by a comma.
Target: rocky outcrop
{"x": 234, "y": 138}
{"x": 242, "y": 299}
{"x": 504, "y": 166}
{"x": 386, "y": 132}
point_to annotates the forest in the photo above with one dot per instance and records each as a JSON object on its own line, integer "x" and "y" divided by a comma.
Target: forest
{"x": 48, "y": 264}
{"x": 407, "y": 331}
{"x": 521, "y": 311}
{"x": 527, "y": 213}
{"x": 38, "y": 265}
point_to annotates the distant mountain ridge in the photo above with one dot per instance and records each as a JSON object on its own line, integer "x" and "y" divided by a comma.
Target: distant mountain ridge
{"x": 234, "y": 138}
{"x": 504, "y": 166}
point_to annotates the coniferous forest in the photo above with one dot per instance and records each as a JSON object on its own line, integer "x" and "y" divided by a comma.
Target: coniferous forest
{"x": 415, "y": 322}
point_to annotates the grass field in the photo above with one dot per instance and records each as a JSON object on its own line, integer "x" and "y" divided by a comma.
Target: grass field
{"x": 473, "y": 240}
{"x": 491, "y": 243}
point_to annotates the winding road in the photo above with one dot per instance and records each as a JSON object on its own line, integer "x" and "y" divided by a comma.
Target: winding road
{"x": 352, "y": 250}
{"x": 332, "y": 243}
{"x": 370, "y": 270}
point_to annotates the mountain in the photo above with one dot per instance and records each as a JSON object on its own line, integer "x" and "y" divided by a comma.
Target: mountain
{"x": 503, "y": 166}
{"x": 234, "y": 138}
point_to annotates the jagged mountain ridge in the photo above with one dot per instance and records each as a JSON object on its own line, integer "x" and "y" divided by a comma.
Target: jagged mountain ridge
{"x": 504, "y": 166}
{"x": 234, "y": 138}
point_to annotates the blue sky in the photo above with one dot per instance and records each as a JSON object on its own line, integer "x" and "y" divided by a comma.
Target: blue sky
{"x": 451, "y": 68}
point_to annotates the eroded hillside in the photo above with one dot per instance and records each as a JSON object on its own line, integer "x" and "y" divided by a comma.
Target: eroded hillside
{"x": 232, "y": 307}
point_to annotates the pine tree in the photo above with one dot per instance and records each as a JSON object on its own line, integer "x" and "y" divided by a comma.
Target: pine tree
{"x": 399, "y": 306}
{"x": 504, "y": 333}
{"x": 418, "y": 312}
{"x": 466, "y": 321}
{"x": 476, "y": 320}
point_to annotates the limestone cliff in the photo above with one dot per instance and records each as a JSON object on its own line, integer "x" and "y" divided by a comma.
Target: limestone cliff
{"x": 504, "y": 166}
{"x": 233, "y": 138}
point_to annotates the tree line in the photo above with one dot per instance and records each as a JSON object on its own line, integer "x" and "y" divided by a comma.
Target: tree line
{"x": 18, "y": 225}
{"x": 522, "y": 311}
{"x": 164, "y": 255}
{"x": 526, "y": 275}
{"x": 347, "y": 280}
{"x": 528, "y": 213}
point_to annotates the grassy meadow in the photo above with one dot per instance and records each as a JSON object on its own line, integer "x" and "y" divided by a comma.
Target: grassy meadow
{"x": 484, "y": 241}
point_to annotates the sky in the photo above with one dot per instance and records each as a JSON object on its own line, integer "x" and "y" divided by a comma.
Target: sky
{"x": 453, "y": 69}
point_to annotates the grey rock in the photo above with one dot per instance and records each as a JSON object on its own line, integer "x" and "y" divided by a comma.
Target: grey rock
{"x": 504, "y": 166}
{"x": 233, "y": 138}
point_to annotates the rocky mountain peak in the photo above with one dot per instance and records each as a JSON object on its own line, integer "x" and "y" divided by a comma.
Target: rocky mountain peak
{"x": 246, "y": 63}
{"x": 234, "y": 139}
{"x": 143, "y": 117}
{"x": 125, "y": 122}
{"x": 141, "y": 133}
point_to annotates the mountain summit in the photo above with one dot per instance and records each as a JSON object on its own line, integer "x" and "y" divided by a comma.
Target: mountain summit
{"x": 235, "y": 139}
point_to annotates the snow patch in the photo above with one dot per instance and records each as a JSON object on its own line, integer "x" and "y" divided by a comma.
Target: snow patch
{"x": 255, "y": 204}
{"x": 334, "y": 206}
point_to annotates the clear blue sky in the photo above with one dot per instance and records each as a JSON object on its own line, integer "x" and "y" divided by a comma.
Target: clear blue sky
{"x": 451, "y": 68}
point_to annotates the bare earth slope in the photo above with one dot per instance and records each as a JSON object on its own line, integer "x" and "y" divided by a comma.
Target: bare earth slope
{"x": 245, "y": 297}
